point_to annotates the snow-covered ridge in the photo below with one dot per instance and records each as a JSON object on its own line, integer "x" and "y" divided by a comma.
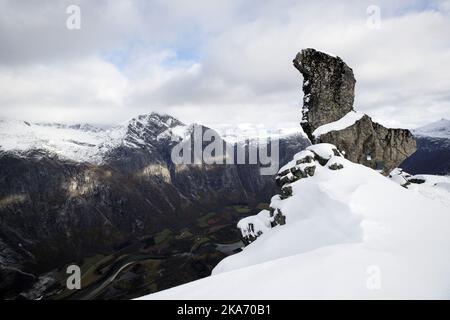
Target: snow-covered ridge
{"x": 79, "y": 143}
{"x": 438, "y": 129}
{"x": 92, "y": 143}
{"x": 250, "y": 132}
{"x": 348, "y": 232}
{"x": 346, "y": 121}
{"x": 86, "y": 142}
{"x": 430, "y": 186}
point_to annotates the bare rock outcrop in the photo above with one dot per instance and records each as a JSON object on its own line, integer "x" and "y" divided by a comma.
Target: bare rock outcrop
{"x": 372, "y": 145}
{"x": 329, "y": 86}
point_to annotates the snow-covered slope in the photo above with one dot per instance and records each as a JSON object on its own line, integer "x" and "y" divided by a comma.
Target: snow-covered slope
{"x": 349, "y": 233}
{"x": 251, "y": 132}
{"x": 84, "y": 142}
{"x": 81, "y": 143}
{"x": 438, "y": 129}
{"x": 431, "y": 186}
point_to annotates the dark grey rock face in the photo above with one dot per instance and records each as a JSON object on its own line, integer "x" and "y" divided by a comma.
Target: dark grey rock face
{"x": 329, "y": 86}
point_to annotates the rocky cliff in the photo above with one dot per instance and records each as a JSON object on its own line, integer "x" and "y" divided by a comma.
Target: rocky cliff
{"x": 328, "y": 88}
{"x": 328, "y": 115}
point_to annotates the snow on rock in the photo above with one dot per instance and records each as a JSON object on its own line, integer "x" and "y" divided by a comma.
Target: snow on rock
{"x": 349, "y": 234}
{"x": 254, "y": 226}
{"x": 301, "y": 157}
{"x": 328, "y": 114}
{"x": 336, "y": 163}
{"x": 430, "y": 186}
{"x": 400, "y": 179}
{"x": 179, "y": 132}
{"x": 324, "y": 151}
{"x": 399, "y": 176}
{"x": 438, "y": 129}
{"x": 302, "y": 166}
{"x": 346, "y": 121}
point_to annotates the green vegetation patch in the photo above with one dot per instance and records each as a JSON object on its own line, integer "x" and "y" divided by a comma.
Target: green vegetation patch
{"x": 203, "y": 220}
{"x": 199, "y": 240}
{"x": 263, "y": 206}
{"x": 184, "y": 234}
{"x": 242, "y": 209}
{"x": 162, "y": 236}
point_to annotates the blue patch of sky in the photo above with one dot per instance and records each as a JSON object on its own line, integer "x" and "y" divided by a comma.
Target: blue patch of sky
{"x": 124, "y": 56}
{"x": 187, "y": 49}
{"x": 408, "y": 7}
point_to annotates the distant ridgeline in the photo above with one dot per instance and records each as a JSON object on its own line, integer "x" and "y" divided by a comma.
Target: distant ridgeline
{"x": 328, "y": 115}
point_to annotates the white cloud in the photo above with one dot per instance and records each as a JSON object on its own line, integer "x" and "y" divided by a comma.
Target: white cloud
{"x": 220, "y": 61}
{"x": 62, "y": 91}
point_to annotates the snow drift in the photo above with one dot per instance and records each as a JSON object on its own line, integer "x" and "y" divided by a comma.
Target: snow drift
{"x": 346, "y": 121}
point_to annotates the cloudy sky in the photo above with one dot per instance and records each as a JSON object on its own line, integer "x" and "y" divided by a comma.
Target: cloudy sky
{"x": 220, "y": 61}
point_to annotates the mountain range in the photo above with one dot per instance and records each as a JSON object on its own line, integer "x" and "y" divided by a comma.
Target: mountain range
{"x": 433, "y": 150}
{"x": 102, "y": 196}
{"x": 88, "y": 195}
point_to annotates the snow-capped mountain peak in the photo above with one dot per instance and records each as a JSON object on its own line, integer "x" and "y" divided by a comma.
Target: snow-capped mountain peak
{"x": 154, "y": 119}
{"x": 86, "y": 142}
{"x": 438, "y": 129}
{"x": 147, "y": 129}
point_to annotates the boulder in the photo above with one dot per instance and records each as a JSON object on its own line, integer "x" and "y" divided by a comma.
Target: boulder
{"x": 328, "y": 85}
{"x": 328, "y": 88}
{"x": 286, "y": 192}
{"x": 369, "y": 143}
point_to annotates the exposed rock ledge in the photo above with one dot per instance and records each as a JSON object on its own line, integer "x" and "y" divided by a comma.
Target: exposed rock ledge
{"x": 329, "y": 86}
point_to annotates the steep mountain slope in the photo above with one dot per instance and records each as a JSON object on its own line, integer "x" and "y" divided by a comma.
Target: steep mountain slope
{"x": 72, "y": 192}
{"x": 438, "y": 129}
{"x": 433, "y": 150}
{"x": 347, "y": 232}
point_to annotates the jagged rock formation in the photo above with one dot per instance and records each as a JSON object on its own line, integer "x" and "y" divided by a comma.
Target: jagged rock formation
{"x": 373, "y": 145}
{"x": 302, "y": 166}
{"x": 328, "y": 87}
